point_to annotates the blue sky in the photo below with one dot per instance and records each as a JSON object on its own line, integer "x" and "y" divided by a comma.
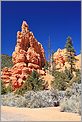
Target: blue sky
{"x": 55, "y": 19}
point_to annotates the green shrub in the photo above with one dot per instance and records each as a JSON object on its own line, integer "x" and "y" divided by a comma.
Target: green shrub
{"x": 68, "y": 73}
{"x": 76, "y": 79}
{"x": 72, "y": 99}
{"x": 9, "y": 87}
{"x": 60, "y": 81}
{"x": 20, "y": 91}
{"x": 46, "y": 67}
{"x": 6, "y": 61}
{"x": 68, "y": 92}
{"x": 78, "y": 76}
{"x": 65, "y": 79}
{"x": 71, "y": 104}
{"x": 34, "y": 82}
{"x": 3, "y": 88}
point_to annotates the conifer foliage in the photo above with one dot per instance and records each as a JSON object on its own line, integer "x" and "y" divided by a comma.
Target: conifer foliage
{"x": 70, "y": 53}
{"x": 34, "y": 82}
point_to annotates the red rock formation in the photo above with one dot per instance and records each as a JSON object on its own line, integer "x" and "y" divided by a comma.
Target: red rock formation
{"x": 60, "y": 58}
{"x": 61, "y": 62}
{"x": 28, "y": 56}
{"x": 6, "y": 73}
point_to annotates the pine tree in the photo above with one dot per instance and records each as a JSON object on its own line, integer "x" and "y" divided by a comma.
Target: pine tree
{"x": 36, "y": 82}
{"x": 9, "y": 87}
{"x": 68, "y": 74}
{"x": 46, "y": 65}
{"x": 60, "y": 80}
{"x": 33, "y": 82}
{"x": 70, "y": 53}
{"x": 3, "y": 88}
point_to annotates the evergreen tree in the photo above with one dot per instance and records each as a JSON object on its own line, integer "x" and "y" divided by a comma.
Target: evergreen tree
{"x": 68, "y": 73}
{"x": 9, "y": 87}
{"x": 46, "y": 67}
{"x": 3, "y": 88}
{"x": 35, "y": 81}
{"x": 60, "y": 80}
{"x": 70, "y": 54}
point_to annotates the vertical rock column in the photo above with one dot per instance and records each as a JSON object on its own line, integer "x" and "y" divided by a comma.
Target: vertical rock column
{"x": 28, "y": 56}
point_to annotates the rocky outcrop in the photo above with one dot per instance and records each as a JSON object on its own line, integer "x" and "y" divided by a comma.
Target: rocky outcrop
{"x": 28, "y": 56}
{"x": 78, "y": 63}
{"x": 61, "y": 62}
{"x": 6, "y": 74}
{"x": 59, "y": 58}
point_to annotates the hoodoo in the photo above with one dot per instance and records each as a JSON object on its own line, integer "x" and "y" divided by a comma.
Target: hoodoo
{"x": 28, "y": 56}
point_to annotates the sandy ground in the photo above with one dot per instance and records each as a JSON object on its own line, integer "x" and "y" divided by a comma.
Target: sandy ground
{"x": 37, "y": 114}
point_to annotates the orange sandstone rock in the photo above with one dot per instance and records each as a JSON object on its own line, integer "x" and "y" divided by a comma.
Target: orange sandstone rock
{"x": 60, "y": 58}
{"x": 28, "y": 56}
{"x": 61, "y": 62}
